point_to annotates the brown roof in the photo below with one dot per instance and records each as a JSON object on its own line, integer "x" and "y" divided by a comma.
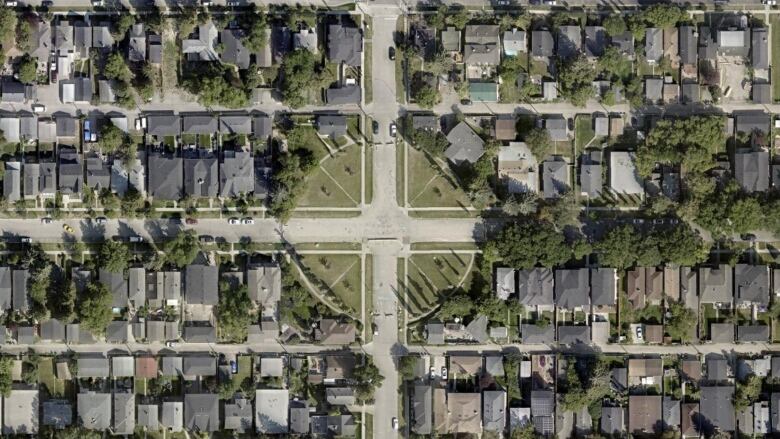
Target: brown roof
{"x": 464, "y": 413}
{"x": 654, "y": 333}
{"x": 506, "y": 128}
{"x": 465, "y": 364}
{"x": 645, "y": 367}
{"x": 690, "y": 416}
{"x": 334, "y": 333}
{"x": 644, "y": 413}
{"x": 339, "y": 366}
{"x": 616, "y": 126}
{"x": 644, "y": 284}
{"x": 146, "y": 367}
{"x": 691, "y": 370}
{"x": 672, "y": 283}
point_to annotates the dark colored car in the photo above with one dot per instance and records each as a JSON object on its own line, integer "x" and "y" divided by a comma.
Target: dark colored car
{"x": 206, "y": 239}
{"x": 191, "y": 221}
{"x": 375, "y": 127}
{"x": 391, "y": 53}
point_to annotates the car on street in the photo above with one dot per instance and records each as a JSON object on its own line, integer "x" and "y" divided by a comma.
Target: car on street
{"x": 391, "y": 53}
{"x": 67, "y": 228}
{"x": 432, "y": 372}
{"x": 97, "y": 3}
{"x": 501, "y": 3}
{"x": 233, "y": 221}
{"x": 747, "y": 237}
{"x": 375, "y": 328}
{"x": 136, "y": 239}
{"x": 10, "y": 3}
{"x": 233, "y": 366}
{"x": 191, "y": 221}
{"x": 206, "y": 239}
{"x": 444, "y": 373}
{"x": 247, "y": 221}
{"x": 375, "y": 127}
{"x": 395, "y": 423}
{"x": 25, "y": 240}
{"x": 46, "y": 220}
{"x": 47, "y": 3}
{"x": 101, "y": 220}
{"x": 38, "y": 108}
{"x": 172, "y": 344}
{"x": 465, "y": 102}
{"x": 393, "y": 129}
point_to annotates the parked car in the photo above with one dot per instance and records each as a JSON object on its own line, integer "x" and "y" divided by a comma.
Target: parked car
{"x": 38, "y": 108}
{"x": 67, "y": 228}
{"x": 393, "y": 129}
{"x": 136, "y": 239}
{"x": 444, "y": 373}
{"x": 465, "y": 102}
{"x": 375, "y": 127}
{"x": 747, "y": 237}
{"x": 375, "y": 328}
{"x": 10, "y": 3}
{"x": 97, "y": 3}
{"x": 432, "y": 372}
{"x": 639, "y": 333}
{"x": 101, "y": 220}
{"x": 191, "y": 221}
{"x": 25, "y": 240}
{"x": 391, "y": 53}
{"x": 46, "y": 220}
{"x": 233, "y": 221}
{"x": 206, "y": 239}
{"x": 233, "y": 366}
{"x": 248, "y": 221}
{"x": 395, "y": 423}
{"x": 172, "y": 344}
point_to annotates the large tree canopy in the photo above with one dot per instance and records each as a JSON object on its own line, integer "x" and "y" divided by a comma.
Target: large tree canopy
{"x": 530, "y": 244}
{"x": 95, "y": 309}
{"x": 689, "y": 142}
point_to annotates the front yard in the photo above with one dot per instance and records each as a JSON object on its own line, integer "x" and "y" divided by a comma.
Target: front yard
{"x": 430, "y": 185}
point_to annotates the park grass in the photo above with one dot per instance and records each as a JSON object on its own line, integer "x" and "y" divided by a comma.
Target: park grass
{"x": 583, "y": 131}
{"x": 431, "y": 275}
{"x": 368, "y": 84}
{"x": 336, "y": 275}
{"x": 774, "y": 20}
{"x": 429, "y": 186}
{"x": 336, "y": 183}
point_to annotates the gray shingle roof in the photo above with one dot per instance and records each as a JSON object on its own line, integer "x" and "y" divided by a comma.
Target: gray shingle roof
{"x": 166, "y": 176}
{"x": 752, "y": 333}
{"x": 199, "y": 365}
{"x": 94, "y": 410}
{"x": 752, "y": 284}
{"x": 136, "y": 50}
{"x": 5, "y": 288}
{"x": 345, "y": 44}
{"x": 494, "y": 410}
{"x": 201, "y": 412}
{"x": 573, "y": 334}
{"x": 759, "y": 51}
{"x": 201, "y": 176}
{"x": 595, "y": 40}
{"x": 555, "y": 177}
{"x": 465, "y": 145}
{"x": 237, "y": 174}
{"x": 535, "y": 286}
{"x": 603, "y": 282}
{"x": 199, "y": 124}
{"x": 715, "y": 284}
{"x": 124, "y": 413}
{"x": 717, "y": 408}
{"x": 71, "y": 171}
{"x": 117, "y": 285}
{"x": 349, "y": 94}
{"x": 234, "y": 51}
{"x": 572, "y": 288}
{"x": 92, "y": 367}
{"x": 235, "y": 124}
{"x": 163, "y": 124}
{"x": 200, "y": 284}
{"x": 542, "y": 43}
{"x": 687, "y": 47}
{"x": 654, "y": 47}
{"x": 333, "y": 126}
{"x": 569, "y": 41}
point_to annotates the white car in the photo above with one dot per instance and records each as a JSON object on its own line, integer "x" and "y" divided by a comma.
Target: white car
{"x": 639, "y": 333}
{"x": 233, "y": 221}
{"x": 432, "y": 372}
{"x": 38, "y": 108}
{"x": 97, "y": 3}
{"x": 247, "y": 221}
{"x": 46, "y": 220}
{"x": 444, "y": 373}
{"x": 136, "y": 239}
{"x": 172, "y": 344}
{"x": 10, "y": 3}
{"x": 101, "y": 220}
{"x": 395, "y": 423}
{"x": 393, "y": 129}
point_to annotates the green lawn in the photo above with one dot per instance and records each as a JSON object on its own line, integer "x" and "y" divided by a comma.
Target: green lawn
{"x": 583, "y": 131}
{"x": 336, "y": 183}
{"x": 369, "y": 177}
{"x": 141, "y": 386}
{"x": 368, "y": 84}
{"x": 775, "y": 23}
{"x": 429, "y": 186}
{"x": 244, "y": 369}
{"x": 312, "y": 141}
{"x": 430, "y": 275}
{"x": 336, "y": 276}
{"x": 400, "y": 172}
{"x": 400, "y": 93}
{"x": 57, "y": 388}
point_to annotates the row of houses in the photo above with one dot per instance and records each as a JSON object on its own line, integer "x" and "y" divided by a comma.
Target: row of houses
{"x": 687, "y": 395}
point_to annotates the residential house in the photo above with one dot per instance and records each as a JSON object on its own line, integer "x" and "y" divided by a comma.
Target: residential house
{"x": 166, "y": 176}
{"x": 20, "y": 412}
{"x": 333, "y": 126}
{"x": 272, "y": 411}
{"x": 76, "y": 90}
{"x": 136, "y": 48}
{"x": 733, "y": 42}
{"x": 482, "y": 45}
{"x": 239, "y": 414}
{"x": 654, "y": 90}
{"x": 518, "y": 168}
{"x": 463, "y": 413}
{"x": 761, "y": 92}
{"x": 515, "y": 42}
{"x": 234, "y": 51}
{"x": 421, "y": 409}
{"x": 98, "y": 172}
{"x": 751, "y": 169}
{"x": 644, "y": 286}
{"x": 751, "y": 285}
{"x": 71, "y": 172}
{"x": 687, "y": 45}
{"x": 163, "y": 125}
{"x": 94, "y": 410}
{"x": 12, "y": 181}
{"x": 644, "y": 414}
{"x": 624, "y": 43}
{"x": 759, "y": 48}
{"x": 200, "y": 284}
{"x": 348, "y": 94}
{"x": 591, "y": 184}
{"x": 653, "y": 44}
{"x": 201, "y": 175}
{"x": 345, "y": 44}
{"x": 717, "y": 409}
{"x": 494, "y": 405}
{"x": 535, "y": 287}
{"x": 623, "y": 175}
{"x": 450, "y": 40}
{"x": 124, "y": 414}
{"x": 715, "y": 285}
{"x": 465, "y": 145}
{"x": 505, "y": 282}
{"x": 555, "y": 177}
{"x": 569, "y": 41}
{"x": 102, "y": 39}
{"x": 613, "y": 421}
{"x": 603, "y": 287}
{"x": 543, "y": 411}
{"x": 202, "y": 47}
{"x": 155, "y": 49}
{"x": 333, "y": 332}
{"x": 57, "y": 413}
{"x": 306, "y": 39}
{"x": 557, "y": 127}
{"x": 542, "y": 43}
{"x": 201, "y": 412}
{"x": 572, "y": 288}
{"x": 237, "y": 174}
{"x": 505, "y": 127}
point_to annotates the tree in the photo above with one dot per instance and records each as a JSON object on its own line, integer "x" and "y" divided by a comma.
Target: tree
{"x": 747, "y": 392}
{"x": 298, "y": 69}
{"x": 234, "y": 314}
{"x": 131, "y": 203}
{"x": 562, "y": 211}
{"x": 576, "y": 79}
{"x": 456, "y": 305}
{"x": 406, "y": 366}
{"x": 636, "y": 25}
{"x": 426, "y": 96}
{"x": 368, "y": 378}
{"x": 28, "y": 70}
{"x": 257, "y": 35}
{"x": 618, "y": 247}
{"x": 525, "y": 432}
{"x": 439, "y": 19}
{"x": 23, "y": 34}
{"x": 682, "y": 246}
{"x": 8, "y": 23}
{"x": 664, "y": 15}
{"x": 40, "y": 282}
{"x": 529, "y": 244}
{"x": 681, "y": 322}
{"x": 459, "y": 19}
{"x": 540, "y": 143}
{"x": 95, "y": 308}
{"x": 116, "y": 68}
{"x": 216, "y": 90}
{"x": 182, "y": 249}
{"x": 614, "y": 64}
{"x": 111, "y": 138}
{"x": 6, "y": 365}
{"x": 125, "y": 22}
{"x": 520, "y": 204}
{"x": 689, "y": 142}
{"x": 614, "y": 25}
{"x": 113, "y": 256}
{"x": 433, "y": 143}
